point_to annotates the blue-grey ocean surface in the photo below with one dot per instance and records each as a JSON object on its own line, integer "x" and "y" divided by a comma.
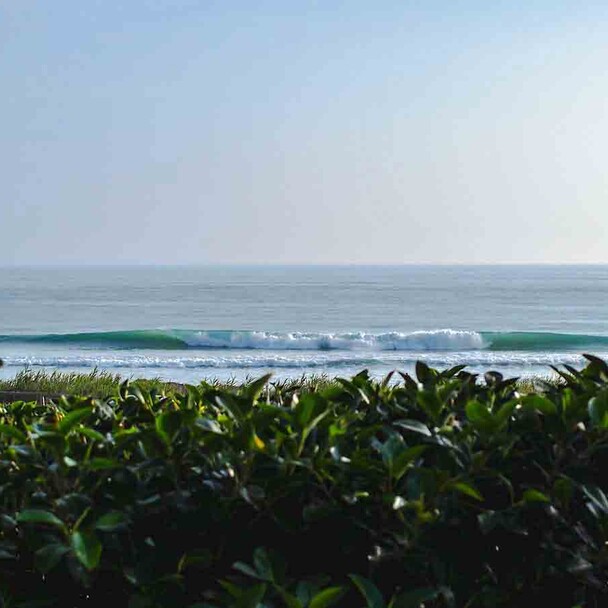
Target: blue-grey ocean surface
{"x": 190, "y": 323}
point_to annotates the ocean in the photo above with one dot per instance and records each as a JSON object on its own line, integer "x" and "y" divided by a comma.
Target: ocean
{"x": 190, "y": 323}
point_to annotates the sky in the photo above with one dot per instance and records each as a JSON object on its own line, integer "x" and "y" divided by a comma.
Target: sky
{"x": 304, "y": 132}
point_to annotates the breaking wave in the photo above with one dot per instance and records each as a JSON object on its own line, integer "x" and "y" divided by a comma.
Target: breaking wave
{"x": 421, "y": 341}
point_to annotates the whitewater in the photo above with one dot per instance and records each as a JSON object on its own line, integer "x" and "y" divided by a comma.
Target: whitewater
{"x": 171, "y": 322}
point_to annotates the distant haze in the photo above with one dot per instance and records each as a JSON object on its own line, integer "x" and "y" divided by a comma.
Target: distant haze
{"x": 176, "y": 131}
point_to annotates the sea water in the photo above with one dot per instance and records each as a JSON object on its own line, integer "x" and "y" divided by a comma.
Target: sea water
{"x": 190, "y": 323}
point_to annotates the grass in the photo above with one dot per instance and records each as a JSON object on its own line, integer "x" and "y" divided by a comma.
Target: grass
{"x": 98, "y": 383}
{"x": 534, "y": 384}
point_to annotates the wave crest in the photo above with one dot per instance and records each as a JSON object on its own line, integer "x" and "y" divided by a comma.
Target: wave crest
{"x": 443, "y": 339}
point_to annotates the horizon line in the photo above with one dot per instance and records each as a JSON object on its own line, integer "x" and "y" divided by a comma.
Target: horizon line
{"x": 288, "y": 264}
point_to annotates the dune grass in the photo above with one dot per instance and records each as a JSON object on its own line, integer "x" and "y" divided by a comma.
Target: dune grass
{"x": 99, "y": 383}
{"x": 96, "y": 383}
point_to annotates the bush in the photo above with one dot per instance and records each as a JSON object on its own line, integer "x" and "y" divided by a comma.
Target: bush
{"x": 439, "y": 491}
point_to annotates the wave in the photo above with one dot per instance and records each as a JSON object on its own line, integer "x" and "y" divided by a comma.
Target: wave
{"x": 143, "y": 338}
{"x": 527, "y": 341}
{"x": 419, "y": 341}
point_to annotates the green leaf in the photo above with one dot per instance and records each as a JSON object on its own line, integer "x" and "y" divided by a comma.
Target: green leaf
{"x": 254, "y": 389}
{"x": 424, "y": 373}
{"x": 199, "y": 559}
{"x": 370, "y": 592}
{"x": 390, "y": 449}
{"x": 598, "y": 499}
{"x": 136, "y": 392}
{"x": 405, "y": 458}
{"x": 563, "y": 490}
{"x": 92, "y": 434}
{"x": 431, "y": 404}
{"x": 245, "y": 569}
{"x": 305, "y": 591}
{"x": 168, "y": 424}
{"x": 540, "y": 404}
{"x": 13, "y": 432}
{"x": 69, "y": 421}
{"x": 234, "y": 590}
{"x": 99, "y": 464}
{"x": 206, "y": 424}
{"x": 450, "y": 373}
{"x": 49, "y": 556}
{"x": 596, "y": 367}
{"x": 229, "y": 404}
{"x": 466, "y": 489}
{"x": 39, "y": 516}
{"x": 480, "y": 416}
{"x": 251, "y": 597}
{"x": 504, "y": 413}
{"x": 310, "y": 427}
{"x": 112, "y": 521}
{"x": 488, "y": 520}
{"x": 535, "y": 496}
{"x": 252, "y": 494}
{"x": 578, "y": 565}
{"x": 87, "y": 549}
{"x": 306, "y": 406}
{"x": 290, "y": 600}
{"x": 326, "y": 597}
{"x": 493, "y": 378}
{"x": 414, "y": 426}
{"x": 7, "y": 522}
{"x": 262, "y": 564}
{"x": 387, "y": 379}
{"x": 598, "y": 410}
{"x": 409, "y": 382}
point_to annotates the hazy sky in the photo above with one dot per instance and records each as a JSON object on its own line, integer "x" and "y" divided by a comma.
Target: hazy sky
{"x": 183, "y": 131}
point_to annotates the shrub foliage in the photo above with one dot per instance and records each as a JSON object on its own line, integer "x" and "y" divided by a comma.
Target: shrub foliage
{"x": 439, "y": 490}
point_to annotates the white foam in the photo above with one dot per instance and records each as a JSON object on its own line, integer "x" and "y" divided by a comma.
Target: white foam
{"x": 297, "y": 360}
{"x": 441, "y": 339}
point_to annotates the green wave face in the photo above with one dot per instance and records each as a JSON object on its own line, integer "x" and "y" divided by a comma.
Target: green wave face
{"x": 528, "y": 341}
{"x": 109, "y": 339}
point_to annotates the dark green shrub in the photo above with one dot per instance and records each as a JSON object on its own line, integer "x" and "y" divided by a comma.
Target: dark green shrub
{"x": 439, "y": 491}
